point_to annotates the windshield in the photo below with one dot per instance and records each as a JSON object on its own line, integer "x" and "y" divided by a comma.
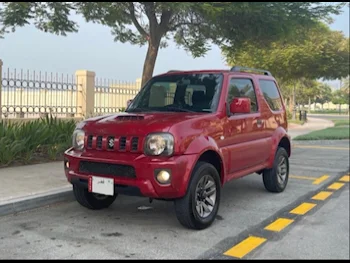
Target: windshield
{"x": 179, "y": 93}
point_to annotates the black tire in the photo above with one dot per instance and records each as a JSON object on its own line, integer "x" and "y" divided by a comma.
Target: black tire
{"x": 90, "y": 201}
{"x": 185, "y": 207}
{"x": 270, "y": 176}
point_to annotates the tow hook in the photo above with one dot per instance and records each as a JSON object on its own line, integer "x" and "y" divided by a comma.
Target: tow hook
{"x": 150, "y": 200}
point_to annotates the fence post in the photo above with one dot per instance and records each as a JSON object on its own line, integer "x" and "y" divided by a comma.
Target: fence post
{"x": 138, "y": 83}
{"x": 85, "y": 93}
{"x": 0, "y": 88}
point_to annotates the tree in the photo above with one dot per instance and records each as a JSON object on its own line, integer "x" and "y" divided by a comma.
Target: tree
{"x": 324, "y": 94}
{"x": 193, "y": 25}
{"x": 345, "y": 84}
{"x": 341, "y": 97}
{"x": 313, "y": 53}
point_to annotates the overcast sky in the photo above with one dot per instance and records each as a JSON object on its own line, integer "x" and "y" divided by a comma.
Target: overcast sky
{"x": 93, "y": 48}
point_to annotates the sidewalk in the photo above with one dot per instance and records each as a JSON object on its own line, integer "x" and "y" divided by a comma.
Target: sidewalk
{"x": 313, "y": 124}
{"x": 32, "y": 186}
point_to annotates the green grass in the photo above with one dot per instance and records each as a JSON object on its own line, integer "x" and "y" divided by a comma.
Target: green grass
{"x": 332, "y": 133}
{"x": 341, "y": 122}
{"x": 36, "y": 141}
{"x": 343, "y": 111}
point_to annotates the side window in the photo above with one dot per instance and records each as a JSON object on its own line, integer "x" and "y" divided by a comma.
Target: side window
{"x": 271, "y": 94}
{"x": 243, "y": 88}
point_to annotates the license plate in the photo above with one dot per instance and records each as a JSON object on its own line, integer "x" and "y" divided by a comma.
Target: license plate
{"x": 101, "y": 185}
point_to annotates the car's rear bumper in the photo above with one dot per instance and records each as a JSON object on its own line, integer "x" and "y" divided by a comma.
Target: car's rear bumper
{"x": 139, "y": 176}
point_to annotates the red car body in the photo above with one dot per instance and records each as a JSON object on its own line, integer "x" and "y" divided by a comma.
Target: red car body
{"x": 236, "y": 144}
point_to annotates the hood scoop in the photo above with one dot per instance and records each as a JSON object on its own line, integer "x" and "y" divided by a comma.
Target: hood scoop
{"x": 130, "y": 118}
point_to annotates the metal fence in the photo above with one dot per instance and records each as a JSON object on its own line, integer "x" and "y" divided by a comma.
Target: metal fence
{"x": 26, "y": 94}
{"x": 112, "y": 96}
{"x": 33, "y": 94}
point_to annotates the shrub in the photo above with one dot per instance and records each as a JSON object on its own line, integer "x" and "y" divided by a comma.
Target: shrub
{"x": 34, "y": 141}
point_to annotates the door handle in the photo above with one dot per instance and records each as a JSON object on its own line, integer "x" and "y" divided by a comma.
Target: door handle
{"x": 259, "y": 123}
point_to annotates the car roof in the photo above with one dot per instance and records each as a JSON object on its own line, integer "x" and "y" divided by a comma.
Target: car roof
{"x": 237, "y": 70}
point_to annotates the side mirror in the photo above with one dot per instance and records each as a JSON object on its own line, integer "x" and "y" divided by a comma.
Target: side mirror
{"x": 240, "y": 105}
{"x": 128, "y": 103}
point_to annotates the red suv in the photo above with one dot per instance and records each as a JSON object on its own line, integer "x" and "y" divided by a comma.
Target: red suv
{"x": 183, "y": 136}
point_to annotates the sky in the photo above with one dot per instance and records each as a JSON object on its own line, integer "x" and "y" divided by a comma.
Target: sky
{"x": 93, "y": 48}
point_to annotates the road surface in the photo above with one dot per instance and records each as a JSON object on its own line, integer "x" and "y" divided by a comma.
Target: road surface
{"x": 132, "y": 228}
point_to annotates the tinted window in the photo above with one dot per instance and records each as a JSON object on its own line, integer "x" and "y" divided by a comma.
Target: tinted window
{"x": 271, "y": 94}
{"x": 243, "y": 88}
{"x": 179, "y": 92}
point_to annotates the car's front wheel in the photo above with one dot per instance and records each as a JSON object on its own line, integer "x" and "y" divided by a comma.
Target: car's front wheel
{"x": 91, "y": 200}
{"x": 199, "y": 207}
{"x": 276, "y": 179}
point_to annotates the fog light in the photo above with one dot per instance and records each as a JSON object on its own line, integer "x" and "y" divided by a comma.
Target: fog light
{"x": 163, "y": 177}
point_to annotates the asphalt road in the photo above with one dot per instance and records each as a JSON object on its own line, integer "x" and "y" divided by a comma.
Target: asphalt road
{"x": 133, "y": 228}
{"x": 322, "y": 235}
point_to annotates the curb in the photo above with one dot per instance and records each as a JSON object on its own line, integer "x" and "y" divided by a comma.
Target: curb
{"x": 36, "y": 201}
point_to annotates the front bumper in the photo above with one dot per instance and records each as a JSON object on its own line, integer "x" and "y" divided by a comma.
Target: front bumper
{"x": 143, "y": 181}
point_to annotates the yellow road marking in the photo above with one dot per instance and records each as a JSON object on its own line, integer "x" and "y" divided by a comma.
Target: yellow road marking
{"x": 321, "y": 147}
{"x": 335, "y": 186}
{"x": 244, "y": 247}
{"x": 303, "y": 208}
{"x": 345, "y": 178}
{"x": 323, "y": 195}
{"x": 279, "y": 224}
{"x": 314, "y": 179}
{"x": 321, "y": 179}
{"x": 302, "y": 177}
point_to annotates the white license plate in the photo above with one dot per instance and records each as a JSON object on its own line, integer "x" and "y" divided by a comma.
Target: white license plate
{"x": 101, "y": 185}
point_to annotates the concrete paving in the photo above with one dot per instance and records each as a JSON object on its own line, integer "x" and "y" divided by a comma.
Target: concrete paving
{"x": 133, "y": 228}
{"x": 31, "y": 180}
{"x": 330, "y": 116}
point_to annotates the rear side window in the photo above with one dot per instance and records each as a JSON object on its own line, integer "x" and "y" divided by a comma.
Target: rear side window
{"x": 271, "y": 94}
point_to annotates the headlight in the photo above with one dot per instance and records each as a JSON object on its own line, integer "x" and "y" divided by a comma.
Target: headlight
{"x": 78, "y": 139}
{"x": 159, "y": 144}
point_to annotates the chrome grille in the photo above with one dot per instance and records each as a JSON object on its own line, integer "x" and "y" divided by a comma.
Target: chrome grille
{"x": 89, "y": 141}
{"x": 122, "y": 143}
{"x": 112, "y": 143}
{"x": 99, "y": 142}
{"x": 107, "y": 169}
{"x": 134, "y": 144}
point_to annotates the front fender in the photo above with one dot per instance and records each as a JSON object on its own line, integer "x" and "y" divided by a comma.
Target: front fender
{"x": 201, "y": 145}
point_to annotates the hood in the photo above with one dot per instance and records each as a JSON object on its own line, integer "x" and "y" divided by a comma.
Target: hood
{"x": 139, "y": 124}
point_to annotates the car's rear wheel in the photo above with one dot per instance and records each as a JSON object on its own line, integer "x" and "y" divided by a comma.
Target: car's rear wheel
{"x": 276, "y": 179}
{"x": 199, "y": 207}
{"x": 91, "y": 200}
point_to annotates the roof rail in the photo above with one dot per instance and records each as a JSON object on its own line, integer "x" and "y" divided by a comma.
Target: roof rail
{"x": 170, "y": 71}
{"x": 239, "y": 68}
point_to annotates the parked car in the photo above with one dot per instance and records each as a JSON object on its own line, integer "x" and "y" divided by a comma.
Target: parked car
{"x": 181, "y": 139}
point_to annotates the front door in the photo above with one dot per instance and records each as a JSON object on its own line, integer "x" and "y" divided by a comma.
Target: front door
{"x": 241, "y": 131}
